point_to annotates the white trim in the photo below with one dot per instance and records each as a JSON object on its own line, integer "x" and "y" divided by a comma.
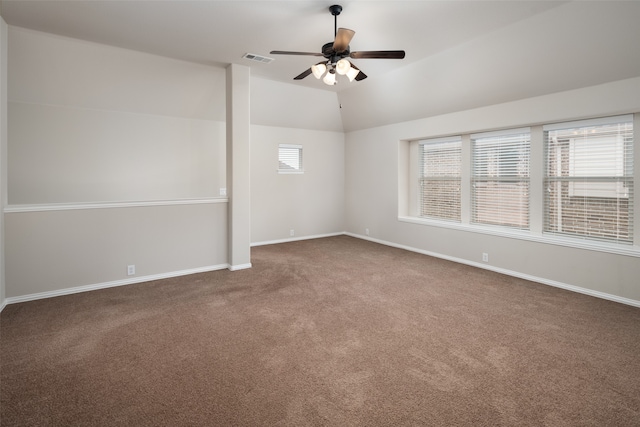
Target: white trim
{"x": 633, "y": 251}
{"x": 295, "y": 239}
{"x": 97, "y": 286}
{"x": 239, "y": 267}
{"x": 297, "y": 146}
{"x": 444, "y": 139}
{"x": 104, "y": 285}
{"x": 512, "y": 273}
{"x": 504, "y": 132}
{"x": 291, "y": 171}
{"x": 588, "y": 122}
{"x": 109, "y": 205}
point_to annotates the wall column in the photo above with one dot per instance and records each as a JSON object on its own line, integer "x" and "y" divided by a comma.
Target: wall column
{"x": 238, "y": 166}
{"x": 3, "y": 149}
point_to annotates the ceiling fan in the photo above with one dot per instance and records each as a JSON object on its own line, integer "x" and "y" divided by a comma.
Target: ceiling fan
{"x": 336, "y": 54}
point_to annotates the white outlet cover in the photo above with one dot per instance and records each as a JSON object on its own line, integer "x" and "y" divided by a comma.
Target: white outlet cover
{"x": 223, "y": 191}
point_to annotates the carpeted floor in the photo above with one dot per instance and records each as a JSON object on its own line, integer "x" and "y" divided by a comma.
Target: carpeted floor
{"x": 326, "y": 332}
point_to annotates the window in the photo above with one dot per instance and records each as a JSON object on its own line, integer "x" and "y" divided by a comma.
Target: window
{"x": 500, "y": 178}
{"x": 290, "y": 158}
{"x": 440, "y": 161}
{"x": 589, "y": 179}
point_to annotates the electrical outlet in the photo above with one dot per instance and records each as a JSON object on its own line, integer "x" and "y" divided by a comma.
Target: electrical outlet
{"x": 485, "y": 257}
{"x": 292, "y": 232}
{"x": 131, "y": 270}
{"x": 223, "y": 191}
{"x": 366, "y": 231}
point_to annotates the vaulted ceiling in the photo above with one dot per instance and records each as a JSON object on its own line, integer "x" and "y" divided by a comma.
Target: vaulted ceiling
{"x": 459, "y": 54}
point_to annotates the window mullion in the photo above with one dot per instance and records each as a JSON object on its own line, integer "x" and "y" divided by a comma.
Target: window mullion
{"x": 465, "y": 185}
{"x": 536, "y": 186}
{"x": 635, "y": 171}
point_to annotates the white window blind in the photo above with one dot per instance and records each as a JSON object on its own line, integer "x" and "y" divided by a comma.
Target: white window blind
{"x": 589, "y": 179}
{"x": 500, "y": 178}
{"x": 440, "y": 162}
{"x": 290, "y": 158}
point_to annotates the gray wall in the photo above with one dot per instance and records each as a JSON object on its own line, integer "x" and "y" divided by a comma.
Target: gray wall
{"x": 312, "y": 203}
{"x": 377, "y": 178}
{"x": 115, "y": 158}
{"x": 118, "y": 158}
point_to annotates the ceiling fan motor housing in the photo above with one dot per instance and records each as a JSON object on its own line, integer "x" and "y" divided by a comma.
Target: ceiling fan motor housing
{"x": 332, "y": 55}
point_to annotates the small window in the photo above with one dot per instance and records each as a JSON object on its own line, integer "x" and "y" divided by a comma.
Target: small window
{"x": 290, "y": 158}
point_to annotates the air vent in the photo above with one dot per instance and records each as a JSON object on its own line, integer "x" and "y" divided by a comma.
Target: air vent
{"x": 257, "y": 58}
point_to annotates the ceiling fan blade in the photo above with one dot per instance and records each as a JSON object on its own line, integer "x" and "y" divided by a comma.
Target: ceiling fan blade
{"x": 360, "y": 75}
{"x": 343, "y": 38}
{"x": 302, "y": 75}
{"x": 381, "y": 54}
{"x": 284, "y": 52}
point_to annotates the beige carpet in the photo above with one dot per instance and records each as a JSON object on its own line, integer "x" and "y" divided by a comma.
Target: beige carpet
{"x": 327, "y": 332}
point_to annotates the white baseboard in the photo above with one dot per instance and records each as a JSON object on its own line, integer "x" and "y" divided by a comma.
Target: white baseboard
{"x": 536, "y": 279}
{"x": 295, "y": 239}
{"x": 130, "y": 281}
{"x": 239, "y": 267}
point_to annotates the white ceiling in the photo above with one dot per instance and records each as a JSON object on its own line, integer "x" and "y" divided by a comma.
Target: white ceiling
{"x": 220, "y": 32}
{"x": 460, "y": 54}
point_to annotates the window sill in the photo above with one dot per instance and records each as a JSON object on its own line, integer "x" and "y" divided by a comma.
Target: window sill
{"x": 633, "y": 251}
{"x": 290, "y": 172}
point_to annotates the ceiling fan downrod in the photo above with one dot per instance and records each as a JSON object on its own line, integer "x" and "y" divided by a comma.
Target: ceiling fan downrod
{"x": 335, "y": 11}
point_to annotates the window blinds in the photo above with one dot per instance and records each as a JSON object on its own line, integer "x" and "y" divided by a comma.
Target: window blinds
{"x": 500, "y": 178}
{"x": 589, "y": 179}
{"x": 289, "y": 158}
{"x": 440, "y": 162}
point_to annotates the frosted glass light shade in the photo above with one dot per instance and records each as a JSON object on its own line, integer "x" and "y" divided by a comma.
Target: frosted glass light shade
{"x": 343, "y": 66}
{"x": 330, "y": 79}
{"x": 318, "y": 70}
{"x": 352, "y": 73}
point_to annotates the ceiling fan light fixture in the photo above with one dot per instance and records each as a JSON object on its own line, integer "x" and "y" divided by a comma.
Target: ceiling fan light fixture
{"x": 330, "y": 78}
{"x": 343, "y": 66}
{"x": 335, "y": 54}
{"x": 352, "y": 73}
{"x": 318, "y": 70}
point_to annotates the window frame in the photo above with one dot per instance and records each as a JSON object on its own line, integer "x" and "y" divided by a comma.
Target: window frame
{"x": 284, "y": 152}
{"x": 499, "y": 175}
{"x": 606, "y": 198}
{"x": 408, "y": 194}
{"x": 447, "y": 144}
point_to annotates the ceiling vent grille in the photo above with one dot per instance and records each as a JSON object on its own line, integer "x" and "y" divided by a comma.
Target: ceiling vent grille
{"x": 257, "y": 58}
